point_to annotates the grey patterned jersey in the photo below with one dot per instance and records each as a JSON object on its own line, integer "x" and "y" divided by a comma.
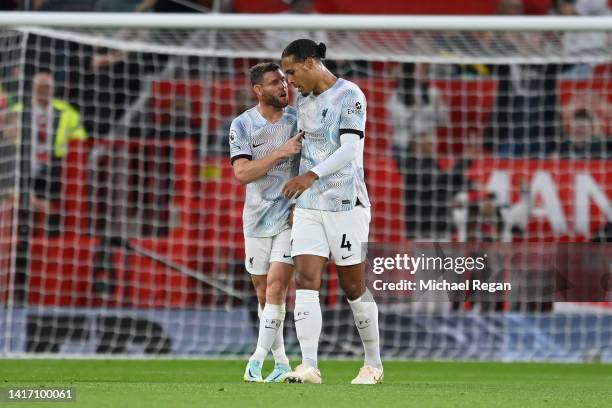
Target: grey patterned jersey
{"x": 251, "y": 136}
{"x": 324, "y": 118}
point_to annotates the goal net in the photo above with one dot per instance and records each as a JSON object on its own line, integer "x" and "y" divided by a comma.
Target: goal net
{"x": 121, "y": 222}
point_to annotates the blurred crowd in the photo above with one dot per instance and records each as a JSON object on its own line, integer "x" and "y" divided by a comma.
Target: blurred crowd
{"x": 105, "y": 91}
{"x": 162, "y": 6}
{"x": 79, "y": 92}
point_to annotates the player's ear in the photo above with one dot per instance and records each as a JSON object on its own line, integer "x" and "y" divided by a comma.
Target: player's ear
{"x": 257, "y": 88}
{"x": 310, "y": 62}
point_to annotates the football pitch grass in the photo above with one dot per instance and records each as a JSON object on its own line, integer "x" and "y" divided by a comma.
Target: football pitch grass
{"x": 204, "y": 383}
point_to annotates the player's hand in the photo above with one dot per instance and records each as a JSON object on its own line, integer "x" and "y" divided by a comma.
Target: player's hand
{"x": 291, "y": 146}
{"x": 297, "y": 185}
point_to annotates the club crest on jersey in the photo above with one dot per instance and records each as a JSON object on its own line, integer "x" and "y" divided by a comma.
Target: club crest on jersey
{"x": 357, "y": 108}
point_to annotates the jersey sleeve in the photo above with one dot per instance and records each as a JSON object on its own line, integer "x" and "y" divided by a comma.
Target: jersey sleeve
{"x": 240, "y": 146}
{"x": 353, "y": 115}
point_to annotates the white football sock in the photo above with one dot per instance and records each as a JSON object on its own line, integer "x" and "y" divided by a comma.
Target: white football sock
{"x": 269, "y": 323}
{"x": 308, "y": 322}
{"x": 278, "y": 347}
{"x": 365, "y": 313}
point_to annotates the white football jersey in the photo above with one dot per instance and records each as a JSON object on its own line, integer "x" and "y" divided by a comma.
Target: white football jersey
{"x": 251, "y": 136}
{"x": 324, "y": 118}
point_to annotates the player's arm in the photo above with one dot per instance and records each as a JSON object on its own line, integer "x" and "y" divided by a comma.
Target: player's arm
{"x": 336, "y": 161}
{"x": 247, "y": 170}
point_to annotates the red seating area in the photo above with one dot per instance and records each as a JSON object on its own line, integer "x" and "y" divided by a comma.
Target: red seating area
{"x": 207, "y": 239}
{"x": 472, "y": 7}
{"x": 470, "y": 103}
{"x": 76, "y": 204}
{"x": 208, "y": 200}
{"x": 222, "y": 99}
{"x": 61, "y": 274}
{"x": 60, "y": 271}
{"x": 166, "y": 91}
{"x": 593, "y": 95}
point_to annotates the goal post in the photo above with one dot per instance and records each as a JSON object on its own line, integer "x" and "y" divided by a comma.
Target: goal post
{"x": 219, "y": 21}
{"x": 121, "y": 223}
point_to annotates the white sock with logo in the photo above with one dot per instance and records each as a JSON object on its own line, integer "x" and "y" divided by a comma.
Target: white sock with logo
{"x": 308, "y": 323}
{"x": 365, "y": 313}
{"x": 278, "y": 347}
{"x": 269, "y": 324}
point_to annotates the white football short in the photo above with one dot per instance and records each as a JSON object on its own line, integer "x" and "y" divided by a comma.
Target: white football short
{"x": 260, "y": 252}
{"x": 343, "y": 233}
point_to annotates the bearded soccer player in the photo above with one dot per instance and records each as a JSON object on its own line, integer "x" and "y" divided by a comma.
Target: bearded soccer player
{"x": 264, "y": 150}
{"x": 332, "y": 212}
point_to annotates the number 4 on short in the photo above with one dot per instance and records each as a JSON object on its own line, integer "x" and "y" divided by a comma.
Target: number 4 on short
{"x": 345, "y": 243}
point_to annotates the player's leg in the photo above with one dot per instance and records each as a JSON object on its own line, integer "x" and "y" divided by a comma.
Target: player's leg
{"x": 273, "y": 316}
{"x": 257, "y": 264}
{"x": 310, "y": 251}
{"x": 260, "y": 283}
{"x": 348, "y": 234}
{"x": 365, "y": 314}
{"x": 307, "y": 313}
{"x": 307, "y": 317}
{"x": 279, "y": 276}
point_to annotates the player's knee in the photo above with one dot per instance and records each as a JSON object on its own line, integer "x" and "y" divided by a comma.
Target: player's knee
{"x": 303, "y": 281}
{"x": 353, "y": 290}
{"x": 300, "y": 281}
{"x": 274, "y": 292}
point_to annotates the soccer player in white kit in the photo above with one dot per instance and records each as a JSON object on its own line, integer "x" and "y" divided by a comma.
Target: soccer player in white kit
{"x": 264, "y": 149}
{"x": 332, "y": 212}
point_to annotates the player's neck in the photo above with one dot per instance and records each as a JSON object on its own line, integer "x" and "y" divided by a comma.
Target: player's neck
{"x": 270, "y": 113}
{"x": 326, "y": 81}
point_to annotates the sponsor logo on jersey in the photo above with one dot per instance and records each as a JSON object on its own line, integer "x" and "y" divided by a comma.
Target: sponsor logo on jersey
{"x": 357, "y": 109}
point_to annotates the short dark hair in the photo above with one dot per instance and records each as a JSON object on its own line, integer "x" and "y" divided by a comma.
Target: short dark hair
{"x": 256, "y": 72}
{"x": 583, "y": 114}
{"x": 304, "y": 48}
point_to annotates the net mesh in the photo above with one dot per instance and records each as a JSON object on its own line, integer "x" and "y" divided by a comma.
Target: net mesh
{"x": 126, "y": 235}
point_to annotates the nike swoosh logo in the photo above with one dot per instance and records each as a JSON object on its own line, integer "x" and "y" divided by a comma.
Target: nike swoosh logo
{"x": 286, "y": 256}
{"x": 270, "y": 327}
{"x": 297, "y": 320}
{"x": 347, "y": 257}
{"x": 276, "y": 377}
{"x": 257, "y": 145}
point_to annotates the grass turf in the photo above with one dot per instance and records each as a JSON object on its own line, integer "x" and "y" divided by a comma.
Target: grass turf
{"x": 202, "y": 383}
